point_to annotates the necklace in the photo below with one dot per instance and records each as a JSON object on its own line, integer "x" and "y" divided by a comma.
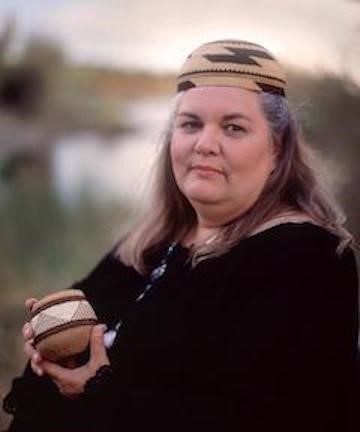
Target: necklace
{"x": 206, "y": 242}
{"x": 210, "y": 239}
{"x": 156, "y": 274}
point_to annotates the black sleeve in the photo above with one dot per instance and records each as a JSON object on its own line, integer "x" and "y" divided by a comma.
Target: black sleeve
{"x": 110, "y": 288}
{"x": 291, "y": 348}
{"x": 36, "y": 404}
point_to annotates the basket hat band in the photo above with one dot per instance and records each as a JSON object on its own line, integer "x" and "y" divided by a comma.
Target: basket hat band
{"x": 232, "y": 63}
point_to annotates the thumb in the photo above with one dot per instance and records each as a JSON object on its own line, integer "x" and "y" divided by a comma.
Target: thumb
{"x": 30, "y": 302}
{"x": 55, "y": 371}
{"x": 98, "y": 355}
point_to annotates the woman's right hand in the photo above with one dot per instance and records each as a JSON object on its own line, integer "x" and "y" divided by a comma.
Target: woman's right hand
{"x": 28, "y": 334}
{"x": 70, "y": 382}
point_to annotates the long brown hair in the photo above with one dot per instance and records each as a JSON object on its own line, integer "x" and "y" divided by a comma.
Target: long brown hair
{"x": 293, "y": 185}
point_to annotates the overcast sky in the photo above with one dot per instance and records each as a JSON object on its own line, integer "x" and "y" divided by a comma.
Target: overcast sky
{"x": 158, "y": 34}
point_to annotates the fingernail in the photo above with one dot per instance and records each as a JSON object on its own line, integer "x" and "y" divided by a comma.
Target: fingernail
{"x": 36, "y": 357}
{"x": 39, "y": 371}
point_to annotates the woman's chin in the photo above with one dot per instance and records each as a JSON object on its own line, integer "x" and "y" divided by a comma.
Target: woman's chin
{"x": 203, "y": 197}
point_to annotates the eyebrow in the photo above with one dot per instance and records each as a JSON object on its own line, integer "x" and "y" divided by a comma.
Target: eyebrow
{"x": 227, "y": 117}
{"x": 187, "y": 114}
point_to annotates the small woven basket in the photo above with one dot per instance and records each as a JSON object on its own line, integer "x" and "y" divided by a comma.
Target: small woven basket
{"x": 62, "y": 323}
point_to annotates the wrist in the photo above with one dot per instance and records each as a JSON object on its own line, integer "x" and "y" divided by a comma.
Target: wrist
{"x": 97, "y": 383}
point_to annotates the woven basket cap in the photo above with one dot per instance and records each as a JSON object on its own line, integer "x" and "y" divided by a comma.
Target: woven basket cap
{"x": 232, "y": 63}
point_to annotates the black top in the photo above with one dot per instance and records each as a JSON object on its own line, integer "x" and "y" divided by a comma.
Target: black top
{"x": 262, "y": 338}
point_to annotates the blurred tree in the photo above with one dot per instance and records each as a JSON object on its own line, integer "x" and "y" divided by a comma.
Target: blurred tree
{"x": 22, "y": 90}
{"x": 26, "y": 85}
{"x": 6, "y": 37}
{"x": 38, "y": 75}
{"x": 44, "y": 54}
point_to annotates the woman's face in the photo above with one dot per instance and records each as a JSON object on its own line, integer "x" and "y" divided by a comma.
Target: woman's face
{"x": 221, "y": 149}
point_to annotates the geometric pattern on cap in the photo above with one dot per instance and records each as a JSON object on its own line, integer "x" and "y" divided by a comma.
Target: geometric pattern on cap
{"x": 232, "y": 63}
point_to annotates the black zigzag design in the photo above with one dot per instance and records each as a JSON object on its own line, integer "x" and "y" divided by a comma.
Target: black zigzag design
{"x": 239, "y": 56}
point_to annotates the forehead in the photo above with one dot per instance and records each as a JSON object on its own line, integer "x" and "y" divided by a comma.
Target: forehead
{"x": 221, "y": 101}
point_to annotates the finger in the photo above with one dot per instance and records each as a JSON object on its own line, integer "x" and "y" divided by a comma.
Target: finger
{"x": 34, "y": 357}
{"x": 98, "y": 355}
{"x": 36, "y": 368}
{"x": 30, "y": 302}
{"x": 29, "y": 349}
{"x": 27, "y": 331}
{"x": 55, "y": 371}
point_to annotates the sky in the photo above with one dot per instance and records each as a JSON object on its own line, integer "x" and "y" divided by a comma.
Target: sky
{"x": 158, "y": 34}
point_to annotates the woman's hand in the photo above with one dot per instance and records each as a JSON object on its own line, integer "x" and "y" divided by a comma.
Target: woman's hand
{"x": 27, "y": 331}
{"x": 71, "y": 382}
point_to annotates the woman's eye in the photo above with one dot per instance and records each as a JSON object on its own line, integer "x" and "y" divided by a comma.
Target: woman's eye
{"x": 190, "y": 125}
{"x": 234, "y": 128}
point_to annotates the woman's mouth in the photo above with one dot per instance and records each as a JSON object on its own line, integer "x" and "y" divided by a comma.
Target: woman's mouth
{"x": 206, "y": 169}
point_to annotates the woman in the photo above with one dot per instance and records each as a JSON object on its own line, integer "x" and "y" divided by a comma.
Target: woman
{"x": 233, "y": 303}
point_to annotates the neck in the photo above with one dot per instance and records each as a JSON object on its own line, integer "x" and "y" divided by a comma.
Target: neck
{"x": 217, "y": 215}
{"x": 210, "y": 219}
{"x": 200, "y": 235}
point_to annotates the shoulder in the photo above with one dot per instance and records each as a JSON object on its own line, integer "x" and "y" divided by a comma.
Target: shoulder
{"x": 295, "y": 240}
{"x": 110, "y": 282}
{"x": 108, "y": 268}
{"x": 303, "y": 235}
{"x": 292, "y": 251}
{"x": 294, "y": 266}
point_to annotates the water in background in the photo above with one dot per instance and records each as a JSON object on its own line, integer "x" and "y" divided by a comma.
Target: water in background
{"x": 108, "y": 169}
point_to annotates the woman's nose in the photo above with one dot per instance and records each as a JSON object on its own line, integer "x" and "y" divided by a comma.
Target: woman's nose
{"x": 207, "y": 141}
